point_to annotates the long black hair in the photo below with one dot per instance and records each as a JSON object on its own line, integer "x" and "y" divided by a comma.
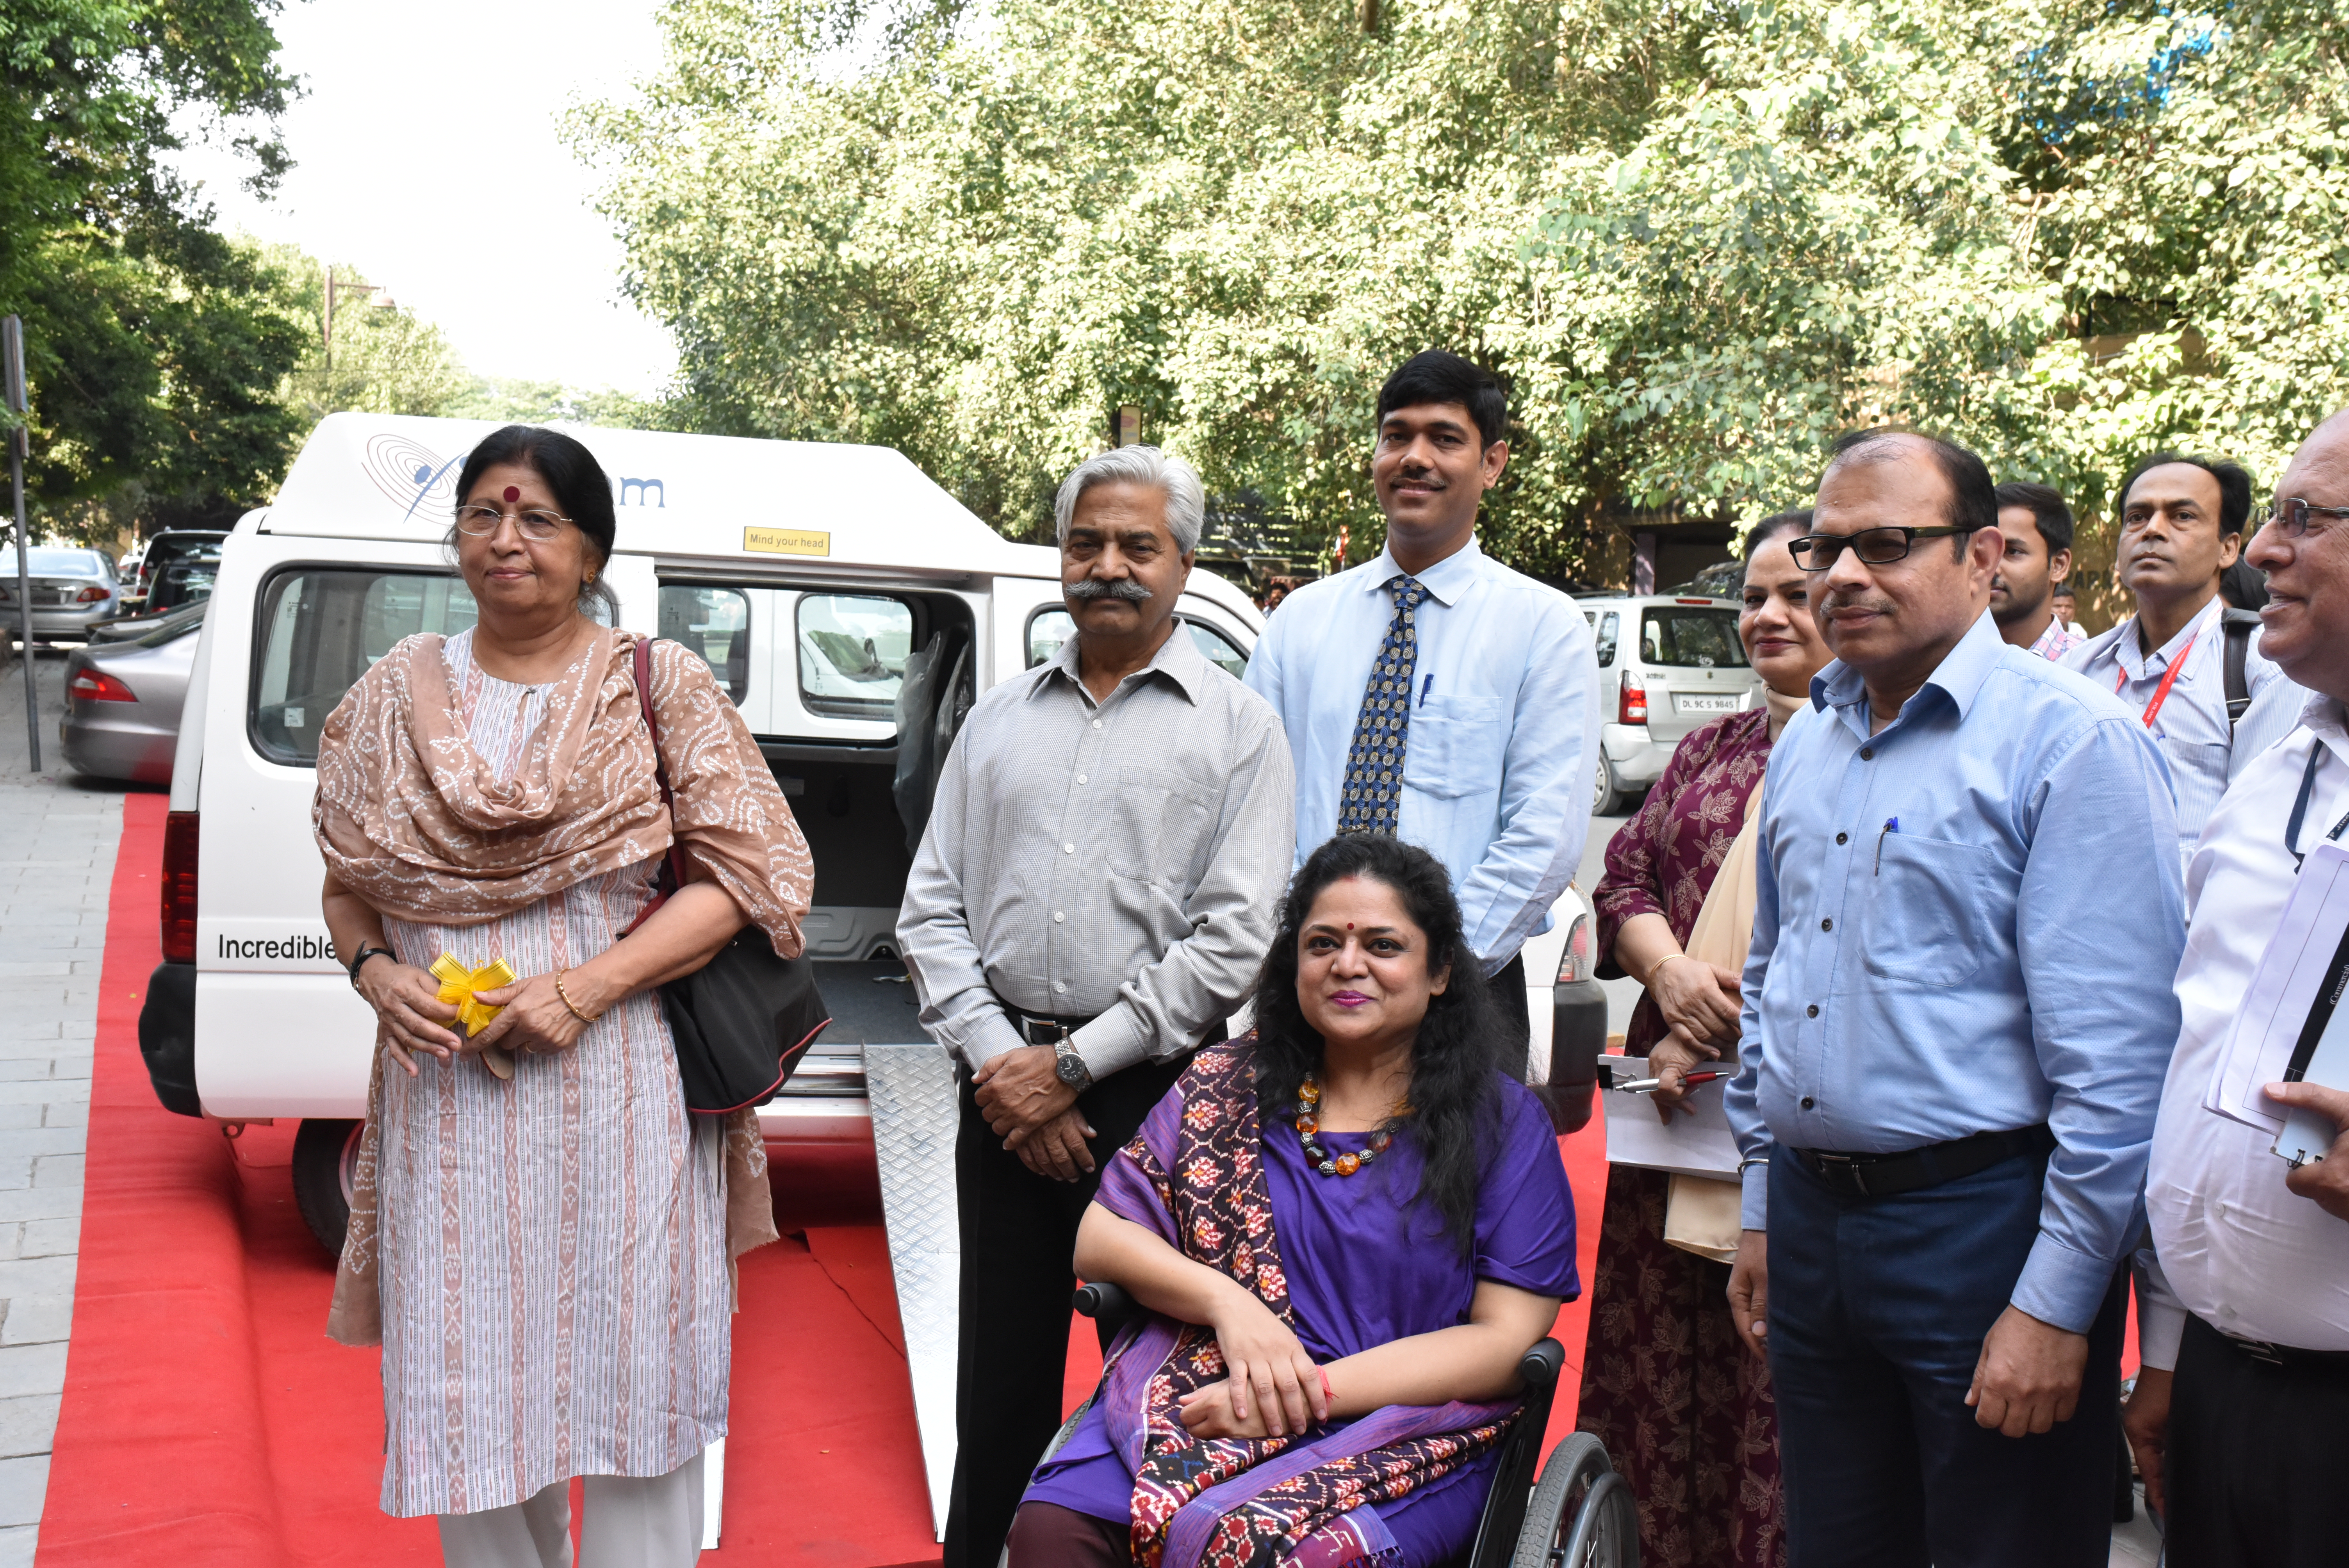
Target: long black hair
{"x": 580, "y": 485}
{"x": 1454, "y": 1093}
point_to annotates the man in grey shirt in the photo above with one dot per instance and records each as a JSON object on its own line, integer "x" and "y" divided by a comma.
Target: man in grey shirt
{"x": 1093, "y": 895}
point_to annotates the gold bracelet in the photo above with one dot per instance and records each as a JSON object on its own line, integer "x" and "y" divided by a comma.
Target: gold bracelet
{"x": 1650, "y": 983}
{"x": 568, "y": 1002}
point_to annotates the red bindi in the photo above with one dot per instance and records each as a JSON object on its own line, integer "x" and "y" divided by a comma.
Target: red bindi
{"x": 513, "y": 492}
{"x": 1350, "y": 925}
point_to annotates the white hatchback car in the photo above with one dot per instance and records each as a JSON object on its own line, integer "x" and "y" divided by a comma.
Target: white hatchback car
{"x": 1668, "y": 663}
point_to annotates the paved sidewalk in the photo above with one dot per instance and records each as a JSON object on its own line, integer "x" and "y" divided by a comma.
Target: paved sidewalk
{"x": 58, "y": 835}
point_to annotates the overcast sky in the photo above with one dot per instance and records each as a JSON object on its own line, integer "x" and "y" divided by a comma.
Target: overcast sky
{"x": 427, "y": 154}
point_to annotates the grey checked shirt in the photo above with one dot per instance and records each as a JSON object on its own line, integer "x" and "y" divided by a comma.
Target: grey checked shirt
{"x": 1120, "y": 859}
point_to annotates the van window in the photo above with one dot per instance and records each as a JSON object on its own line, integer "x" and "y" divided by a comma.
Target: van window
{"x": 1691, "y": 638}
{"x": 1051, "y": 627}
{"x": 1603, "y": 629}
{"x": 853, "y": 650}
{"x": 321, "y": 628}
{"x": 715, "y": 624}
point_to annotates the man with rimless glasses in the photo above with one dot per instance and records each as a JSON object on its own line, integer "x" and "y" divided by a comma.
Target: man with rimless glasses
{"x": 1957, "y": 1012}
{"x": 2190, "y": 667}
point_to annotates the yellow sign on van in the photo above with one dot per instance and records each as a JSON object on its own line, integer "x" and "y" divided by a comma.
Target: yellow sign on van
{"x": 786, "y": 541}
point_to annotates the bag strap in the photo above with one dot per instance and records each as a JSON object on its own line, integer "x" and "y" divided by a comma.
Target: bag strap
{"x": 2238, "y": 625}
{"x": 672, "y": 872}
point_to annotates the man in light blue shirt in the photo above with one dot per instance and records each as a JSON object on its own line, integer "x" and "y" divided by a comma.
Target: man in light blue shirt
{"x": 1435, "y": 694}
{"x": 1957, "y": 1020}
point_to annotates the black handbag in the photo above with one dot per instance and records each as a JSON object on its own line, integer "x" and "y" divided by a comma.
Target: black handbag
{"x": 744, "y": 1020}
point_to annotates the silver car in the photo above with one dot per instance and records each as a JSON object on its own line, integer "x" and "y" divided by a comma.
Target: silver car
{"x": 72, "y": 588}
{"x": 1666, "y": 665}
{"x": 123, "y": 701}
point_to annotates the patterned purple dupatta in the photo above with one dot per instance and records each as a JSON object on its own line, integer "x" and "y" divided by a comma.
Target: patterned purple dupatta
{"x": 1233, "y": 1503}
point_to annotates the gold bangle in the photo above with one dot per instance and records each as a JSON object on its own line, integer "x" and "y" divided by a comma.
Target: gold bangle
{"x": 568, "y": 1002}
{"x": 1649, "y": 983}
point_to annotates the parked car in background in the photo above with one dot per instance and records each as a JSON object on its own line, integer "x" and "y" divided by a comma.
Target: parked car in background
{"x": 72, "y": 587}
{"x": 1721, "y": 579}
{"x": 123, "y": 700}
{"x": 125, "y": 628}
{"x": 1667, "y": 663}
{"x": 178, "y": 568}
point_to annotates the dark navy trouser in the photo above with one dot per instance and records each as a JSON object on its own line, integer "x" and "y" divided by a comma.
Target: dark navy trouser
{"x": 1878, "y": 1312}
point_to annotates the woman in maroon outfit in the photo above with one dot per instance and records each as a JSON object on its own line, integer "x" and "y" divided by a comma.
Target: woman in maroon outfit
{"x": 1684, "y": 1411}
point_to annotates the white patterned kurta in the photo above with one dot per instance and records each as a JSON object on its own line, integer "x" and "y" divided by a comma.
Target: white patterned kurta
{"x": 554, "y": 1286}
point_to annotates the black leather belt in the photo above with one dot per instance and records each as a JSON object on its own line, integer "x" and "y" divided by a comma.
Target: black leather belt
{"x": 1914, "y": 1169}
{"x": 2334, "y": 1363}
{"x": 1041, "y": 1028}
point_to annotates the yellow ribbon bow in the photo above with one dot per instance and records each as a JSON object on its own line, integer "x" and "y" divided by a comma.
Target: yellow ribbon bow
{"x": 458, "y": 985}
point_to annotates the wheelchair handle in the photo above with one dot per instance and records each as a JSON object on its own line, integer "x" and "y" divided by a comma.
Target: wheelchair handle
{"x": 1105, "y": 1303}
{"x": 1542, "y": 1364}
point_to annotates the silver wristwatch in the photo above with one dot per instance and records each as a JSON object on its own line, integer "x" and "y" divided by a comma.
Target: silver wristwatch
{"x": 1070, "y": 1067}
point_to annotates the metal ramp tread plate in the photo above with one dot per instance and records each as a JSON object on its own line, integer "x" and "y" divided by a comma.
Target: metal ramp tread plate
{"x": 915, "y": 1117}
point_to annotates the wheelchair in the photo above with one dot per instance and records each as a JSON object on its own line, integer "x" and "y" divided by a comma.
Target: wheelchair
{"x": 1579, "y": 1514}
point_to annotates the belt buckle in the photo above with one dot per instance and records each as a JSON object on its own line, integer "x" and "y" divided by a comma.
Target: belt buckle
{"x": 1845, "y": 1166}
{"x": 1044, "y": 1031}
{"x": 2260, "y": 1350}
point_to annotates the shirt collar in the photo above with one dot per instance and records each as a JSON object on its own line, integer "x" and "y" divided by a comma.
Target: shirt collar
{"x": 1445, "y": 582}
{"x": 1958, "y": 675}
{"x": 1178, "y": 658}
{"x": 2131, "y": 657}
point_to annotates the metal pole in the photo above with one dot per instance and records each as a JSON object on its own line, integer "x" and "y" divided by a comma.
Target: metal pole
{"x": 12, "y": 363}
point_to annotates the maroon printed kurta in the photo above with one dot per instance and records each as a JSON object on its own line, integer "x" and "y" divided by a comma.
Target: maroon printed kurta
{"x": 1666, "y": 1385}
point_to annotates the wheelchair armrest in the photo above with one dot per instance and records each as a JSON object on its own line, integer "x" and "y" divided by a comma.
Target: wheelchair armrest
{"x": 1542, "y": 1364}
{"x": 1105, "y": 1303}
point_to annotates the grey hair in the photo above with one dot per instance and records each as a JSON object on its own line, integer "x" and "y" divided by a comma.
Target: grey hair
{"x": 1186, "y": 497}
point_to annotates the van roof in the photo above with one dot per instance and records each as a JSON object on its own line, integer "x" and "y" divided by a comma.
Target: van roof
{"x": 384, "y": 476}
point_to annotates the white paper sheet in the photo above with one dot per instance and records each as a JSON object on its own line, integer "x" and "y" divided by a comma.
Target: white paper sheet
{"x": 1698, "y": 1145}
{"x": 2297, "y": 965}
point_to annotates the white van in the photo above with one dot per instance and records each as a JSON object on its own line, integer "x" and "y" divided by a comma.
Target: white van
{"x": 850, "y": 608}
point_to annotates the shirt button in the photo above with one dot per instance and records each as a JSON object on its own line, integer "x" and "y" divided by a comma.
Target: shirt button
{"x": 1060, "y": 986}
{"x": 1866, "y": 753}
{"x": 1097, "y": 724}
{"x": 1080, "y": 777}
{"x": 1809, "y": 1103}
{"x": 1843, "y": 838}
{"x": 1812, "y": 1011}
{"x": 1827, "y": 925}
{"x": 1058, "y": 917}
{"x": 1068, "y": 849}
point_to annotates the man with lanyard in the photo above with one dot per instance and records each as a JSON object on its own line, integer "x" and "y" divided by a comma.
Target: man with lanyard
{"x": 2037, "y": 527}
{"x": 1434, "y": 694}
{"x": 1093, "y": 895}
{"x": 2182, "y": 526}
{"x": 2238, "y": 1412}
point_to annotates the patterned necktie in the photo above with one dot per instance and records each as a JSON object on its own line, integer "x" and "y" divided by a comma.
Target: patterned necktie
{"x": 1373, "y": 792}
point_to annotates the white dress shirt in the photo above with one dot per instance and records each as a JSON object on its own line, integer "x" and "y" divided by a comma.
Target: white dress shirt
{"x": 2234, "y": 1247}
{"x": 1503, "y": 727}
{"x": 2204, "y": 757}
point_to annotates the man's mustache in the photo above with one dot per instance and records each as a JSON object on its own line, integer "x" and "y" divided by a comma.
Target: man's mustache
{"x": 1125, "y": 588}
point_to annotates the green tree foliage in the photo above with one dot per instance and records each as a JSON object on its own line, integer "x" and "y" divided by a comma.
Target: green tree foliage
{"x": 1698, "y": 237}
{"x": 382, "y": 357}
{"x": 155, "y": 346}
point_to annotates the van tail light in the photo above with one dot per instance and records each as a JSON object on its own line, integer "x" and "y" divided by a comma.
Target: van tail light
{"x": 1631, "y": 707}
{"x": 96, "y": 686}
{"x": 93, "y": 594}
{"x": 179, "y": 888}
{"x": 1574, "y": 965}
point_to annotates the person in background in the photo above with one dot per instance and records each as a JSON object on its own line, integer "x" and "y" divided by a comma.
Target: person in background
{"x": 1684, "y": 1412}
{"x": 1091, "y": 898}
{"x": 1945, "y": 1091}
{"x": 2037, "y": 528}
{"x": 1274, "y": 596}
{"x": 2244, "y": 1317}
{"x": 1434, "y": 694}
{"x": 2243, "y": 586}
{"x": 2181, "y": 526}
{"x": 2067, "y": 604}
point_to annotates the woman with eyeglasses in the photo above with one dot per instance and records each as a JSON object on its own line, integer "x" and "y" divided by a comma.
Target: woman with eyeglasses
{"x": 542, "y": 1238}
{"x": 1683, "y": 1410}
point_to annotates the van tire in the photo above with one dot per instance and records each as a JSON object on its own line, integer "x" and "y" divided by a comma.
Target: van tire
{"x": 323, "y": 1150}
{"x": 1607, "y": 797}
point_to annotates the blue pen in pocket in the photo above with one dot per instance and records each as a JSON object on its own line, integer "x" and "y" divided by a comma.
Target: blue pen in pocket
{"x": 1891, "y": 825}
{"x": 1426, "y": 687}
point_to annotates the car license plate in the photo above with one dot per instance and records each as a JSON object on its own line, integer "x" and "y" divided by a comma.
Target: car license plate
{"x": 1704, "y": 702}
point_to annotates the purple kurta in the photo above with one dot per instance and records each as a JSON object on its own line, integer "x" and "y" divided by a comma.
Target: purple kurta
{"x": 1365, "y": 1266}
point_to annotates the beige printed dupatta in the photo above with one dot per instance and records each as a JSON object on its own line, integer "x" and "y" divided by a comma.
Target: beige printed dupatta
{"x": 410, "y": 818}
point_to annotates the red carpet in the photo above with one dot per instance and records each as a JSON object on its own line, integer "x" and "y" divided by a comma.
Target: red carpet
{"x": 208, "y": 1420}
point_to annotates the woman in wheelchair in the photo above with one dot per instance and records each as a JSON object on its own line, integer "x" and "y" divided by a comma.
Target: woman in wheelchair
{"x": 1347, "y": 1227}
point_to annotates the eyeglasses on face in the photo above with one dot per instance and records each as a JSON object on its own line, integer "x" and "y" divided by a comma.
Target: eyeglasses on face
{"x": 1874, "y": 546}
{"x": 538, "y": 526}
{"x": 2291, "y": 515}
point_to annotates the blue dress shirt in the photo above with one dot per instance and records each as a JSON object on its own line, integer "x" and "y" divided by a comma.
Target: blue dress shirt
{"x": 1503, "y": 727}
{"x": 1966, "y": 922}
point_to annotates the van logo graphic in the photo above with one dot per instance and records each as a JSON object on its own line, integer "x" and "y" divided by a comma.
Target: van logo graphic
{"x": 410, "y": 474}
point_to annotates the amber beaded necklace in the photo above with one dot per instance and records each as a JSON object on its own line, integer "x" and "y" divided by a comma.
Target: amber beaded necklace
{"x": 1309, "y": 1129}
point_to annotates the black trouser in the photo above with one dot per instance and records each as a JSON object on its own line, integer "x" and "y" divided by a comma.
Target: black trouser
{"x": 1514, "y": 1036}
{"x": 1018, "y": 1241}
{"x": 2252, "y": 1467}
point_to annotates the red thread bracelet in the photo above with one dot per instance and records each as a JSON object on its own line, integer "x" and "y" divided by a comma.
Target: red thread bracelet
{"x": 1326, "y": 1395}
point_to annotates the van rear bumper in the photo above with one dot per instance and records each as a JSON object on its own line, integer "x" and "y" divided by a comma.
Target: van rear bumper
{"x": 167, "y": 1037}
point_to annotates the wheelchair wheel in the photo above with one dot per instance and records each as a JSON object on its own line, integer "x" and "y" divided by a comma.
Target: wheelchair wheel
{"x": 1582, "y": 1514}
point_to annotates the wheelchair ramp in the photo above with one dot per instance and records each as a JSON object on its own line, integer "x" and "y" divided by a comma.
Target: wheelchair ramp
{"x": 914, "y": 1115}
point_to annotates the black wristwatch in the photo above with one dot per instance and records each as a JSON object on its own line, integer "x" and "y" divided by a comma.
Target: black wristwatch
{"x": 365, "y": 952}
{"x": 1069, "y": 1067}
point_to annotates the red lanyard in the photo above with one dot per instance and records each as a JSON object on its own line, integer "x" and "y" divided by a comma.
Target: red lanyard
{"x": 2169, "y": 676}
